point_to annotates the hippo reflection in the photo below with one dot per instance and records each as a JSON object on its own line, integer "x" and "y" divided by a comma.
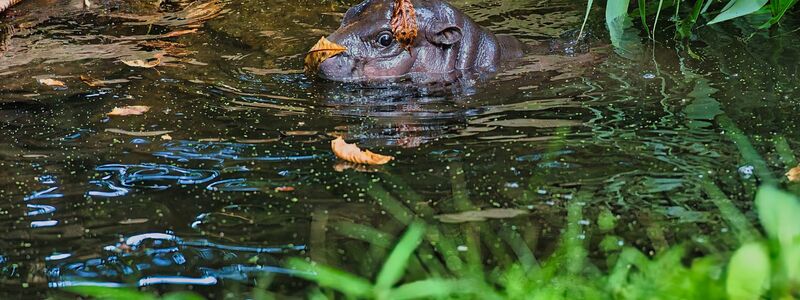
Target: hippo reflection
{"x": 448, "y": 42}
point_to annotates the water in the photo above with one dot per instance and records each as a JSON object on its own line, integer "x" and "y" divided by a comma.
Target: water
{"x": 230, "y": 171}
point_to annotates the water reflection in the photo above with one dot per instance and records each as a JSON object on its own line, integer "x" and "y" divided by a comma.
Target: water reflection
{"x": 152, "y": 175}
{"x": 161, "y": 258}
{"x": 637, "y": 138}
{"x": 184, "y": 151}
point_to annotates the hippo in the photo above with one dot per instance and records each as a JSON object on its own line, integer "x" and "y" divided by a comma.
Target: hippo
{"x": 448, "y": 42}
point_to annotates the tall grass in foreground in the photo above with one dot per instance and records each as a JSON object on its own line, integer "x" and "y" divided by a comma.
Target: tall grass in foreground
{"x": 767, "y": 267}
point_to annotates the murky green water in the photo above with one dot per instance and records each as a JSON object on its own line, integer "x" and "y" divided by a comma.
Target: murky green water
{"x": 233, "y": 118}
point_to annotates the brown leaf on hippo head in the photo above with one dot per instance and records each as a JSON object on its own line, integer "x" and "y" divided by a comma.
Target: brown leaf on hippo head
{"x": 404, "y": 23}
{"x": 321, "y": 51}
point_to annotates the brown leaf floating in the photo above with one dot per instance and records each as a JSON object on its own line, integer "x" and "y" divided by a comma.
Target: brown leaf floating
{"x": 351, "y": 153}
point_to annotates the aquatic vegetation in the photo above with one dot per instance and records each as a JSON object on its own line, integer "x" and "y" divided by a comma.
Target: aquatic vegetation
{"x": 767, "y": 267}
{"x": 685, "y": 15}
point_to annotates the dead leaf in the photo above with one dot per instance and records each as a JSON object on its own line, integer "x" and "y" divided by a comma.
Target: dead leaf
{"x": 133, "y": 221}
{"x": 322, "y": 50}
{"x": 133, "y": 110}
{"x": 794, "y": 174}
{"x": 178, "y": 33}
{"x": 91, "y": 81}
{"x": 284, "y": 189}
{"x": 138, "y": 133}
{"x": 269, "y": 105}
{"x": 299, "y": 133}
{"x": 351, "y": 153}
{"x": 481, "y": 215}
{"x": 51, "y": 82}
{"x": 166, "y": 137}
{"x": 149, "y": 63}
{"x": 404, "y": 23}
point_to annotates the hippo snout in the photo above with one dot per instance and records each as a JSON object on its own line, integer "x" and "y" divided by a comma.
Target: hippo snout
{"x": 339, "y": 67}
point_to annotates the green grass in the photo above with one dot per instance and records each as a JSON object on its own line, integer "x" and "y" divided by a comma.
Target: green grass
{"x": 763, "y": 267}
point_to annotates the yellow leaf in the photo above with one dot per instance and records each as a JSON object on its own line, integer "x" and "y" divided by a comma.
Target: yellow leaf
{"x": 794, "y": 174}
{"x": 404, "y": 23}
{"x": 129, "y": 110}
{"x": 91, "y": 81}
{"x": 321, "y": 51}
{"x": 140, "y": 63}
{"x": 351, "y": 153}
{"x": 51, "y": 82}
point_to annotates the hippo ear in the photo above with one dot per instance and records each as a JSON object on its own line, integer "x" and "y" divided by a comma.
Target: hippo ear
{"x": 444, "y": 34}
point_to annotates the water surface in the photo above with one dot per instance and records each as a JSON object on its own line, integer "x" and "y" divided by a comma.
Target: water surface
{"x": 196, "y": 191}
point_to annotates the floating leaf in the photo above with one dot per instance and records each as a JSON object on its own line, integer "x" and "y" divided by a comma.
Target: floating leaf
{"x": 91, "y": 81}
{"x": 138, "y": 133}
{"x": 149, "y": 63}
{"x": 404, "y": 23}
{"x": 51, "y": 82}
{"x": 481, "y": 215}
{"x": 133, "y": 110}
{"x": 178, "y": 33}
{"x": 351, "y": 153}
{"x": 284, "y": 189}
{"x": 321, "y": 51}
{"x": 794, "y": 174}
{"x": 166, "y": 137}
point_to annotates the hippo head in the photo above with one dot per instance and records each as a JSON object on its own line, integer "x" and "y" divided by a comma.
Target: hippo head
{"x": 447, "y": 41}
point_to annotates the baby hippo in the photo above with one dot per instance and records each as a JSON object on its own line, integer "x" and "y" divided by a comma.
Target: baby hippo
{"x": 446, "y": 42}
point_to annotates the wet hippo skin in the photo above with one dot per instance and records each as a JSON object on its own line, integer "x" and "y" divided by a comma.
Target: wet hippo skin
{"x": 448, "y": 42}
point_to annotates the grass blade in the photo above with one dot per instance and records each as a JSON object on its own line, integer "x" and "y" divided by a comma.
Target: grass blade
{"x": 102, "y": 292}
{"x": 395, "y": 266}
{"x": 429, "y": 288}
{"x": 341, "y": 281}
{"x": 643, "y": 15}
{"x": 585, "y": 17}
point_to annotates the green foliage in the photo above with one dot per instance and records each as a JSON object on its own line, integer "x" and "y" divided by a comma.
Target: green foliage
{"x": 748, "y": 272}
{"x": 634, "y": 275}
{"x": 686, "y": 16}
{"x": 738, "y": 8}
{"x": 765, "y": 268}
{"x": 109, "y": 293}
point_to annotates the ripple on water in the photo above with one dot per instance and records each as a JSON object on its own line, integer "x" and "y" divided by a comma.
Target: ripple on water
{"x": 163, "y": 258}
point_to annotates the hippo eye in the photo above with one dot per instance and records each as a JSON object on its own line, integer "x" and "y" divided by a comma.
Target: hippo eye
{"x": 385, "y": 39}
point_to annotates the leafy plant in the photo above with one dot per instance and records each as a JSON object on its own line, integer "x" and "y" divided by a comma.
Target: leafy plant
{"x": 618, "y": 14}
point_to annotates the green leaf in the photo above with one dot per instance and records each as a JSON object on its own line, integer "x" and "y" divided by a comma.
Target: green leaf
{"x": 748, "y": 272}
{"x": 790, "y": 257}
{"x": 182, "y": 296}
{"x": 341, "y": 281}
{"x": 429, "y": 288}
{"x": 585, "y": 17}
{"x": 782, "y": 8}
{"x": 643, "y": 15}
{"x": 616, "y": 17}
{"x": 395, "y": 266}
{"x": 101, "y": 292}
{"x": 778, "y": 212}
{"x": 738, "y": 8}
